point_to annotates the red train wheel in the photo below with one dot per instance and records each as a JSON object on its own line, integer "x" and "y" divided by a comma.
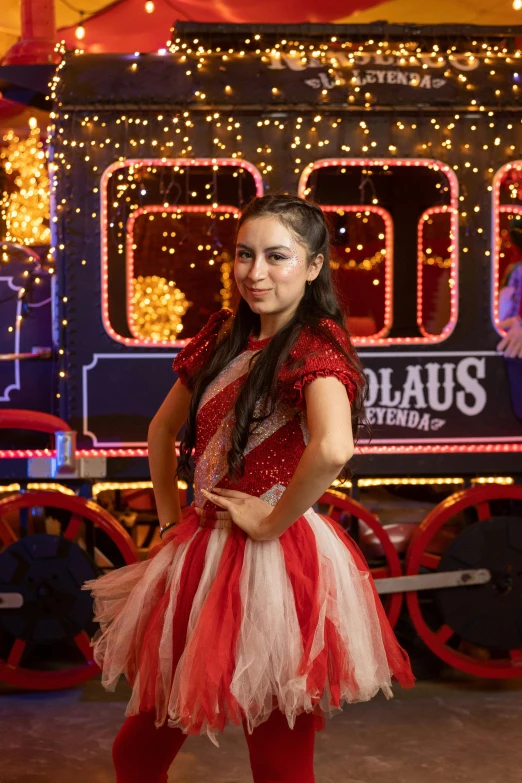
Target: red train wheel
{"x": 340, "y": 508}
{"x": 475, "y": 629}
{"x": 54, "y": 623}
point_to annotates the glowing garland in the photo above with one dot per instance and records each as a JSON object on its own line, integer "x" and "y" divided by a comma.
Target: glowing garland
{"x": 158, "y": 308}
{"x": 173, "y": 136}
{"x": 338, "y": 54}
{"x": 26, "y": 211}
{"x": 124, "y": 194}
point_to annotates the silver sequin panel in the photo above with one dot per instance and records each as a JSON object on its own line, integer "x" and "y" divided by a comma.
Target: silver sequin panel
{"x": 212, "y": 465}
{"x": 234, "y": 370}
{"x": 273, "y": 494}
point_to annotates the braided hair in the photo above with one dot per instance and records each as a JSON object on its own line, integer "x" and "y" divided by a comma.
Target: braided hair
{"x": 319, "y": 300}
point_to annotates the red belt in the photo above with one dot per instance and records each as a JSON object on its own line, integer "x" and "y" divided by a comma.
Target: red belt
{"x": 215, "y": 519}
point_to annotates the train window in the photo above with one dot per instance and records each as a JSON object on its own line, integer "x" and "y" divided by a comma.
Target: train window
{"x": 507, "y": 243}
{"x": 435, "y": 274}
{"x": 362, "y": 248}
{"x": 179, "y": 268}
{"x": 418, "y": 291}
{"x": 167, "y": 233}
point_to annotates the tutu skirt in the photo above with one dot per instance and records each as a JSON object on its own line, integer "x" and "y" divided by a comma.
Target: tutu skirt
{"x": 216, "y": 627}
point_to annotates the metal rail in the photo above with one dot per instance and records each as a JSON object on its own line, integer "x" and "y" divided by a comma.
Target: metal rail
{"x": 408, "y": 584}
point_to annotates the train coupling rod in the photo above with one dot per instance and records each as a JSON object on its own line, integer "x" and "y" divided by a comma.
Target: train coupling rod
{"x": 407, "y": 584}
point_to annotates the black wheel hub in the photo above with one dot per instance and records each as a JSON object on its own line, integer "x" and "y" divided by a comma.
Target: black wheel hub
{"x": 488, "y": 615}
{"x": 48, "y": 571}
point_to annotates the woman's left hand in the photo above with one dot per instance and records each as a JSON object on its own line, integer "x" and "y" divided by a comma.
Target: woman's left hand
{"x": 511, "y": 344}
{"x": 247, "y": 511}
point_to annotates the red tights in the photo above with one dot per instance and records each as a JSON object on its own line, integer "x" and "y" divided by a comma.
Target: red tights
{"x": 143, "y": 754}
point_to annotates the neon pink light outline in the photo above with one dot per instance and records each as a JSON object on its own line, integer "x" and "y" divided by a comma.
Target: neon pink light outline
{"x": 140, "y": 163}
{"x": 453, "y": 270}
{"x": 129, "y": 256}
{"x": 388, "y": 259}
{"x": 417, "y": 448}
{"x": 409, "y": 162}
{"x": 496, "y": 243}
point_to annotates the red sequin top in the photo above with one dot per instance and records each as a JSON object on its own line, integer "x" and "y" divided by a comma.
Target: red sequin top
{"x": 275, "y": 447}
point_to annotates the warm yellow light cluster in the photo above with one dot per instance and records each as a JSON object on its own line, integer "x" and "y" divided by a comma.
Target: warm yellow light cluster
{"x": 26, "y": 210}
{"x": 51, "y": 487}
{"x": 158, "y": 307}
{"x": 104, "y": 486}
{"x": 9, "y": 488}
{"x": 396, "y": 482}
{"x": 493, "y": 480}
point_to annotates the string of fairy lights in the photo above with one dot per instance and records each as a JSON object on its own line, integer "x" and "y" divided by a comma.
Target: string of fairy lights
{"x": 338, "y": 55}
{"x": 455, "y": 138}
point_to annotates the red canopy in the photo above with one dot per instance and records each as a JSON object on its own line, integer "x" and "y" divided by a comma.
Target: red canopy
{"x": 127, "y": 27}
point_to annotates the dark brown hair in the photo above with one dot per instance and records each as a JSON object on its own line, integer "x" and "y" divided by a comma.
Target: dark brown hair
{"x": 319, "y": 300}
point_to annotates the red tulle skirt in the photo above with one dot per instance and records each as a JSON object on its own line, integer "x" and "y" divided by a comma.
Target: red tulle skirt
{"x": 215, "y": 627}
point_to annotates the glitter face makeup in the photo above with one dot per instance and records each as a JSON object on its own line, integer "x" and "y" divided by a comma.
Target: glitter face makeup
{"x": 298, "y": 256}
{"x": 270, "y": 270}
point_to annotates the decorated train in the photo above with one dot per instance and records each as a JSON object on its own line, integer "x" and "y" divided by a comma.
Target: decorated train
{"x": 410, "y": 139}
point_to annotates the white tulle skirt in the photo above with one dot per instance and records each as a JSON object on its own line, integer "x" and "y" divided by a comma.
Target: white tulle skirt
{"x": 216, "y": 627}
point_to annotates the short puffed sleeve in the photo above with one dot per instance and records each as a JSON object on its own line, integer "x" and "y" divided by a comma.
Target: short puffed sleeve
{"x": 194, "y": 355}
{"x": 313, "y": 356}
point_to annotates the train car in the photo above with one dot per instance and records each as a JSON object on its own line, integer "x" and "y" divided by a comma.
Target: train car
{"x": 410, "y": 139}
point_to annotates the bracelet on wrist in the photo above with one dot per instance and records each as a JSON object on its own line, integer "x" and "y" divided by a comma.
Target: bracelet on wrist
{"x": 164, "y": 528}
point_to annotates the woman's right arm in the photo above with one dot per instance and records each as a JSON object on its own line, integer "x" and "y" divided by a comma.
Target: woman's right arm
{"x": 163, "y": 431}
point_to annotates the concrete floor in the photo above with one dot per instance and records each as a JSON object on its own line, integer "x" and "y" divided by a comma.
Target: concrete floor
{"x": 453, "y": 730}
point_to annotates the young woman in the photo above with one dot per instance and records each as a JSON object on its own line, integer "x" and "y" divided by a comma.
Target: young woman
{"x": 255, "y": 609}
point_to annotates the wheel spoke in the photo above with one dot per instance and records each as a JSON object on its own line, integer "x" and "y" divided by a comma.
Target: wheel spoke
{"x": 7, "y": 535}
{"x": 82, "y": 641}
{"x": 102, "y": 561}
{"x": 444, "y": 633}
{"x": 73, "y": 527}
{"x": 483, "y": 511}
{"x": 429, "y": 560}
{"x": 357, "y": 521}
{"x": 17, "y": 650}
